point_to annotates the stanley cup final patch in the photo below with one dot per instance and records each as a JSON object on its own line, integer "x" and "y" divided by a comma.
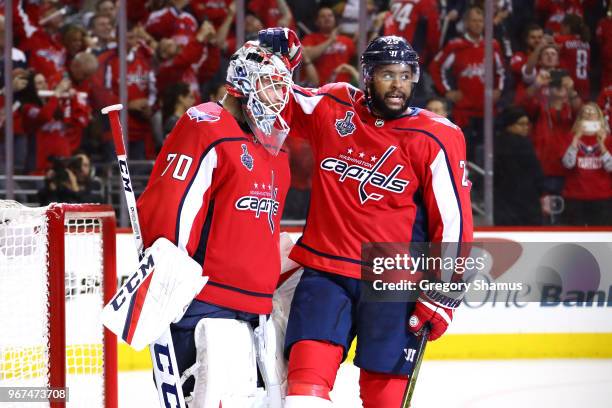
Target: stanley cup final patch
{"x": 345, "y": 126}
{"x": 246, "y": 158}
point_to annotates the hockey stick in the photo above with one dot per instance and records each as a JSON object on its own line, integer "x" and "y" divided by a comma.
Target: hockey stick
{"x": 165, "y": 368}
{"x": 417, "y": 366}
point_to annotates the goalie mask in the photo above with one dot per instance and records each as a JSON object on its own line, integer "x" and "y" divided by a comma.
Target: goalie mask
{"x": 263, "y": 82}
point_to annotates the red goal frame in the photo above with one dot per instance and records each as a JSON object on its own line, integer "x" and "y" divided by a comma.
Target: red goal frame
{"x": 57, "y": 214}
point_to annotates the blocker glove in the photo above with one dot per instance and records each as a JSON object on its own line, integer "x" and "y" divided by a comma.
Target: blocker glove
{"x": 435, "y": 308}
{"x": 282, "y": 41}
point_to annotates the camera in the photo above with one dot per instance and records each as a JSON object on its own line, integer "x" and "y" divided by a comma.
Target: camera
{"x": 59, "y": 167}
{"x": 556, "y": 77}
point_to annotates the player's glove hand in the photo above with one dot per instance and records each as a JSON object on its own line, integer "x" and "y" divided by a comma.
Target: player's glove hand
{"x": 282, "y": 41}
{"x": 439, "y": 313}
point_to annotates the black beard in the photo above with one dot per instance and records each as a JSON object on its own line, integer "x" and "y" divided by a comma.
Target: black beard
{"x": 381, "y": 108}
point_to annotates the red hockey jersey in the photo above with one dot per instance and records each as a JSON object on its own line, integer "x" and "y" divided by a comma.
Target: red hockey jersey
{"x": 213, "y": 10}
{"x": 406, "y": 16}
{"x": 575, "y": 57}
{"x": 338, "y": 53}
{"x": 395, "y": 180}
{"x": 180, "y": 68}
{"x": 588, "y": 180}
{"x": 46, "y": 55}
{"x": 219, "y": 196}
{"x": 170, "y": 22}
{"x": 460, "y": 66}
{"x": 553, "y": 11}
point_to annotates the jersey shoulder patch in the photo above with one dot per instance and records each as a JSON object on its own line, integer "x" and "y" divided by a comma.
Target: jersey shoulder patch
{"x": 205, "y": 112}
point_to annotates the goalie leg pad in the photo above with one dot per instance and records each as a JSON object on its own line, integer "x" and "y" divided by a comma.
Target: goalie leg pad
{"x": 313, "y": 366}
{"x": 226, "y": 371}
{"x": 379, "y": 390}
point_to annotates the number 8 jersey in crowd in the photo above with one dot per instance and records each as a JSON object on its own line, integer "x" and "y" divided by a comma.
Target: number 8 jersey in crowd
{"x": 219, "y": 196}
{"x": 376, "y": 180}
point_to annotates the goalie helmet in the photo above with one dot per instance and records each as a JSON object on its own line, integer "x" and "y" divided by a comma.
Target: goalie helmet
{"x": 263, "y": 82}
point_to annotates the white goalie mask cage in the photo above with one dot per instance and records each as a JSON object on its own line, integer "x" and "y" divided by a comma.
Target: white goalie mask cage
{"x": 265, "y": 81}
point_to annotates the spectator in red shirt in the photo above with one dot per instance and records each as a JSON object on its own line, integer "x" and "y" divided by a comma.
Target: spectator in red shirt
{"x": 272, "y": 13}
{"x": 327, "y": 49}
{"x": 552, "y": 12}
{"x": 551, "y": 102}
{"x": 523, "y": 63}
{"x": 35, "y": 112}
{"x": 588, "y": 186}
{"x": 172, "y": 22}
{"x": 407, "y": 18}
{"x": 214, "y": 11}
{"x": 176, "y": 63}
{"x": 43, "y": 46}
{"x": 225, "y": 38}
{"x": 458, "y": 74}
{"x": 575, "y": 52}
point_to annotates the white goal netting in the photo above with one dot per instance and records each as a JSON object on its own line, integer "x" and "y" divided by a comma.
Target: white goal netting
{"x": 28, "y": 323}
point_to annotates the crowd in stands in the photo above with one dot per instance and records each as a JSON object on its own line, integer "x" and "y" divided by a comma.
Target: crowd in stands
{"x": 552, "y": 86}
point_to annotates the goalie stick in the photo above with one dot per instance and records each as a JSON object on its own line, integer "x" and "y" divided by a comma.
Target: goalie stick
{"x": 417, "y": 366}
{"x": 165, "y": 368}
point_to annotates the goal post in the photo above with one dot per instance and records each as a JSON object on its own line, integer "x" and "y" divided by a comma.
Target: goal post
{"x": 57, "y": 270}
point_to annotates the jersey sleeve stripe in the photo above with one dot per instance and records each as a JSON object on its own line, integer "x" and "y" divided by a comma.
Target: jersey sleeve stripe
{"x": 446, "y": 65}
{"x": 450, "y": 212}
{"x": 450, "y": 179}
{"x": 194, "y": 197}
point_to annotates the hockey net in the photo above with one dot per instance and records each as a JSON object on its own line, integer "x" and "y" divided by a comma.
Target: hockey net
{"x": 57, "y": 269}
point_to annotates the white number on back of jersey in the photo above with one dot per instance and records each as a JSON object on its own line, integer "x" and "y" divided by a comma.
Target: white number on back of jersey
{"x": 464, "y": 179}
{"x": 401, "y": 14}
{"x": 183, "y": 164}
{"x": 581, "y": 64}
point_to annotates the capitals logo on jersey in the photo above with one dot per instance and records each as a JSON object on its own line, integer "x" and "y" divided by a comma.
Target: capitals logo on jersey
{"x": 349, "y": 167}
{"x": 345, "y": 126}
{"x": 261, "y": 200}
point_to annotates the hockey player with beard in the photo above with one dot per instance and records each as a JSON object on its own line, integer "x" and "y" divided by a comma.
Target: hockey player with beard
{"x": 384, "y": 172}
{"x": 217, "y": 192}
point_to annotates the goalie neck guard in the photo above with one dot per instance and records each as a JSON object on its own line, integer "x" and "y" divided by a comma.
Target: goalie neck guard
{"x": 262, "y": 81}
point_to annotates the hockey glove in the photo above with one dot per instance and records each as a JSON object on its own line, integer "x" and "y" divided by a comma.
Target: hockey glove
{"x": 435, "y": 308}
{"x": 282, "y": 41}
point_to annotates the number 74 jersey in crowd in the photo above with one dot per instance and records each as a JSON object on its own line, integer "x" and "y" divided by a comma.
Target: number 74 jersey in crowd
{"x": 218, "y": 195}
{"x": 376, "y": 180}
